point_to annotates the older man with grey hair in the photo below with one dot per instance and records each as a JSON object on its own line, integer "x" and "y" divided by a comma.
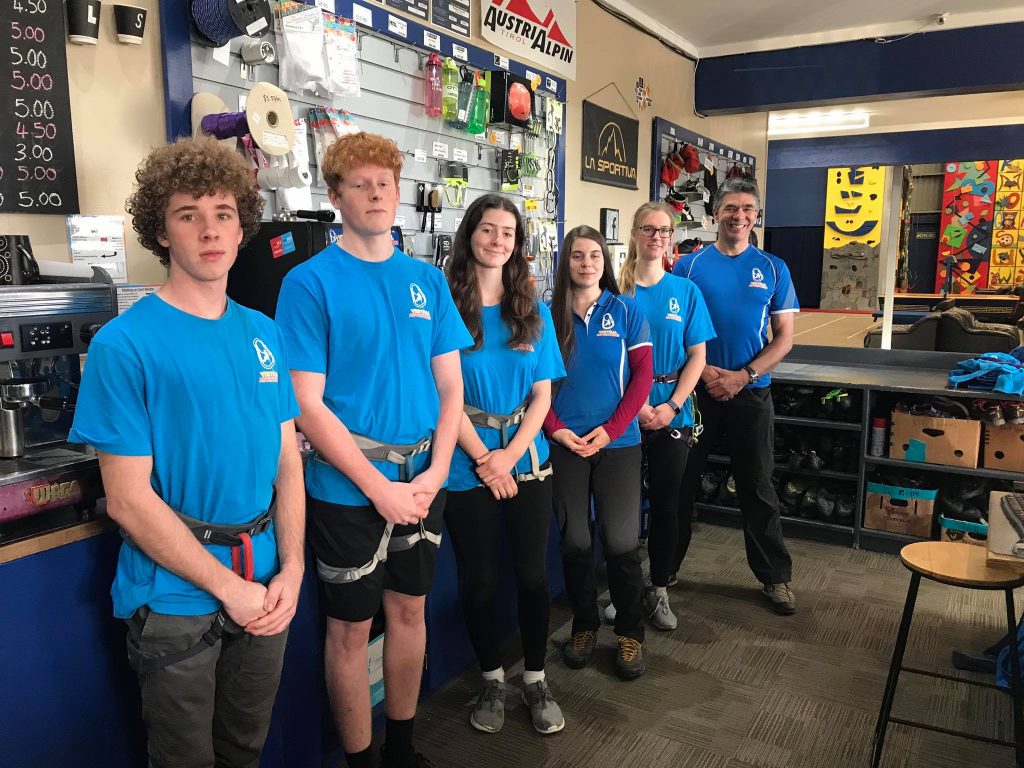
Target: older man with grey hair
{"x": 745, "y": 289}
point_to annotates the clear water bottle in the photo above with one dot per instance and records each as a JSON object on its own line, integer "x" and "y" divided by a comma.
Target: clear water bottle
{"x": 449, "y": 89}
{"x": 432, "y": 86}
{"x": 465, "y": 99}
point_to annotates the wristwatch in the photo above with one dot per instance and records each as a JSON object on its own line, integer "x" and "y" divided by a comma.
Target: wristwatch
{"x": 672, "y": 404}
{"x": 754, "y": 375}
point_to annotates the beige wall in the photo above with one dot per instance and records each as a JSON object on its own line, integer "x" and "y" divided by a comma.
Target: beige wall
{"x": 117, "y": 107}
{"x": 117, "y": 103}
{"x": 610, "y": 51}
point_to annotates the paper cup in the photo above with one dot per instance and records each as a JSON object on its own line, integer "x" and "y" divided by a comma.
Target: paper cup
{"x": 83, "y": 21}
{"x": 130, "y": 21}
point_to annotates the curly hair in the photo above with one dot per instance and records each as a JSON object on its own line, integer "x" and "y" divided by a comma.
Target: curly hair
{"x": 198, "y": 167}
{"x": 561, "y": 295}
{"x": 358, "y": 149}
{"x": 518, "y": 303}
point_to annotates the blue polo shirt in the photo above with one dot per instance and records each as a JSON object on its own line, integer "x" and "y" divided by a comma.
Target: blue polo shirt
{"x": 678, "y": 318}
{"x": 497, "y": 379}
{"x": 372, "y": 328}
{"x": 206, "y": 400}
{"x": 598, "y": 371}
{"x": 741, "y": 293}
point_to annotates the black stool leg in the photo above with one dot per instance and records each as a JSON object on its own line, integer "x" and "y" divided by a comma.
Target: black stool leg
{"x": 1015, "y": 684}
{"x": 894, "y": 671}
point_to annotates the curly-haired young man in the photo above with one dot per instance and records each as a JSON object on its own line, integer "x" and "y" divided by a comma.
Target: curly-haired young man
{"x": 373, "y": 339}
{"x": 187, "y": 399}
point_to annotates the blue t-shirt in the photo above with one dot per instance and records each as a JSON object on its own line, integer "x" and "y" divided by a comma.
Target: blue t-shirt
{"x": 204, "y": 398}
{"x": 741, "y": 293}
{"x": 372, "y": 329}
{"x": 598, "y": 371}
{"x": 678, "y": 318}
{"x": 497, "y": 379}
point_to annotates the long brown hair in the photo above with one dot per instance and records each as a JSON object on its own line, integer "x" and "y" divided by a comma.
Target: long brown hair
{"x": 518, "y": 303}
{"x": 561, "y": 296}
{"x": 627, "y": 275}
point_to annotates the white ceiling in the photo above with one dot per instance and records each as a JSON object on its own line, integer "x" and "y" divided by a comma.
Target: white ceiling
{"x": 720, "y": 27}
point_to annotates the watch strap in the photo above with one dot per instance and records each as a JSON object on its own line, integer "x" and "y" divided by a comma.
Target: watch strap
{"x": 754, "y": 375}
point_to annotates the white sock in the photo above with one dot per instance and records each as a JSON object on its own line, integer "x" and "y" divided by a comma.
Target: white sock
{"x": 495, "y": 674}
{"x": 529, "y": 677}
{"x": 661, "y": 591}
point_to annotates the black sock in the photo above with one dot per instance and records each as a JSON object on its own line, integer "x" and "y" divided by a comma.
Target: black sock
{"x": 398, "y": 738}
{"x": 361, "y": 759}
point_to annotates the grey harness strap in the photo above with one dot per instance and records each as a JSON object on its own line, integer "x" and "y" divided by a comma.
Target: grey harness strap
{"x": 403, "y": 456}
{"x": 502, "y": 422}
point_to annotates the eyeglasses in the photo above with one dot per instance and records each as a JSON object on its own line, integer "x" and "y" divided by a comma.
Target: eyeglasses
{"x": 650, "y": 231}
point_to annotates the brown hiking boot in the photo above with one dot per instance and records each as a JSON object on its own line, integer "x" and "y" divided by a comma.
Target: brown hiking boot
{"x": 578, "y": 649}
{"x": 629, "y": 661}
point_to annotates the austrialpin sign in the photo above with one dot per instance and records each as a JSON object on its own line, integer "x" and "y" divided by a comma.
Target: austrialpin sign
{"x": 542, "y": 31}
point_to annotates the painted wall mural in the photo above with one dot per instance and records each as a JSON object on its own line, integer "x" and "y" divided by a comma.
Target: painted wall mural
{"x": 982, "y": 225}
{"x": 853, "y": 230}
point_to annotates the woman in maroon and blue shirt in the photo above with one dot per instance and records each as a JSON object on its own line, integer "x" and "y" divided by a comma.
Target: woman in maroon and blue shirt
{"x": 595, "y": 448}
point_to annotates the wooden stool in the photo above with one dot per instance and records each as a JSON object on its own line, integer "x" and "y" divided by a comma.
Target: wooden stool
{"x": 959, "y": 565}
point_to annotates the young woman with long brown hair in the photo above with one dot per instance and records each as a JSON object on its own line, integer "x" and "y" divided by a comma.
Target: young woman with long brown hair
{"x": 596, "y": 443}
{"x": 501, "y": 462}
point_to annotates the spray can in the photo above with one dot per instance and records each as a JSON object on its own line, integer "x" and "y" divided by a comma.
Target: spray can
{"x": 877, "y": 436}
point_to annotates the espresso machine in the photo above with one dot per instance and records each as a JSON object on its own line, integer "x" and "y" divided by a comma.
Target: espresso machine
{"x": 43, "y": 331}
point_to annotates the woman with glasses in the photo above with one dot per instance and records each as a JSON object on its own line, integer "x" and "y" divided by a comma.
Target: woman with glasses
{"x": 596, "y": 451}
{"x": 680, "y": 326}
{"x": 500, "y": 468}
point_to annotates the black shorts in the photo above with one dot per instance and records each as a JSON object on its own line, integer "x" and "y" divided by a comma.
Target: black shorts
{"x": 347, "y": 537}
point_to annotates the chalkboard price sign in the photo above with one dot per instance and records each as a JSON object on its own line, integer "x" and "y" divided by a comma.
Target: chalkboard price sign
{"x": 37, "y": 155}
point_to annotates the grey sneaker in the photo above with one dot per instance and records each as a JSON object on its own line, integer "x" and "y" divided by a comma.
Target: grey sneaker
{"x": 610, "y": 613}
{"x": 489, "y": 713}
{"x": 629, "y": 660}
{"x": 672, "y": 580}
{"x": 782, "y": 598}
{"x": 545, "y": 713}
{"x": 578, "y": 649}
{"x": 658, "y": 610}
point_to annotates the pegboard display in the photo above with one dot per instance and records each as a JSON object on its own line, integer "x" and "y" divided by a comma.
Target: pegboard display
{"x": 389, "y": 101}
{"x": 687, "y": 169}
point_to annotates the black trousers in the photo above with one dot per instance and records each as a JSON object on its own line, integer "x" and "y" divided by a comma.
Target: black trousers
{"x": 474, "y": 524}
{"x": 612, "y": 477}
{"x": 666, "y": 463}
{"x": 748, "y": 421}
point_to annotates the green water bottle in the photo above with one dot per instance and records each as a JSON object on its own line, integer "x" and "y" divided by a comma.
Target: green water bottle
{"x": 481, "y": 104}
{"x": 450, "y": 89}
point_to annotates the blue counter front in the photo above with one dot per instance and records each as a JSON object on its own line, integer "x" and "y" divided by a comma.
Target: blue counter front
{"x": 69, "y": 697}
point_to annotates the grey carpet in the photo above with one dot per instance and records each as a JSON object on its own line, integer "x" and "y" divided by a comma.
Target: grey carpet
{"x": 736, "y": 686}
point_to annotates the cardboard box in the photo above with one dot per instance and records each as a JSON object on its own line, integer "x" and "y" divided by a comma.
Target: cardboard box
{"x": 900, "y": 510}
{"x": 953, "y": 442}
{"x": 1005, "y": 541}
{"x": 1004, "y": 447}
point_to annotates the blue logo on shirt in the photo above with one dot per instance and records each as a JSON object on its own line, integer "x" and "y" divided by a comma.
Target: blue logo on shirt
{"x": 607, "y": 322}
{"x": 673, "y": 305}
{"x": 263, "y": 353}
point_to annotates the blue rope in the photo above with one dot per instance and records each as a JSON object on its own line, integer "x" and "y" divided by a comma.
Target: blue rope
{"x": 213, "y": 21}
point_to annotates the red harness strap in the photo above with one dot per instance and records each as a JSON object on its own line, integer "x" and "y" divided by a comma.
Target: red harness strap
{"x": 242, "y": 557}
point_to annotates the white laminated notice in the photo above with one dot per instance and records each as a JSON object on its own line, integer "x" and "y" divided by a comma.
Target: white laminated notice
{"x": 362, "y": 15}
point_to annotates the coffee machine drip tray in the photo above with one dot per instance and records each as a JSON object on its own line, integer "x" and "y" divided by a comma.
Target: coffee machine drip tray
{"x": 48, "y": 477}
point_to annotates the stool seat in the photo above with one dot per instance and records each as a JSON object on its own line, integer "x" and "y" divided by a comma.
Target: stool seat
{"x": 959, "y": 565}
